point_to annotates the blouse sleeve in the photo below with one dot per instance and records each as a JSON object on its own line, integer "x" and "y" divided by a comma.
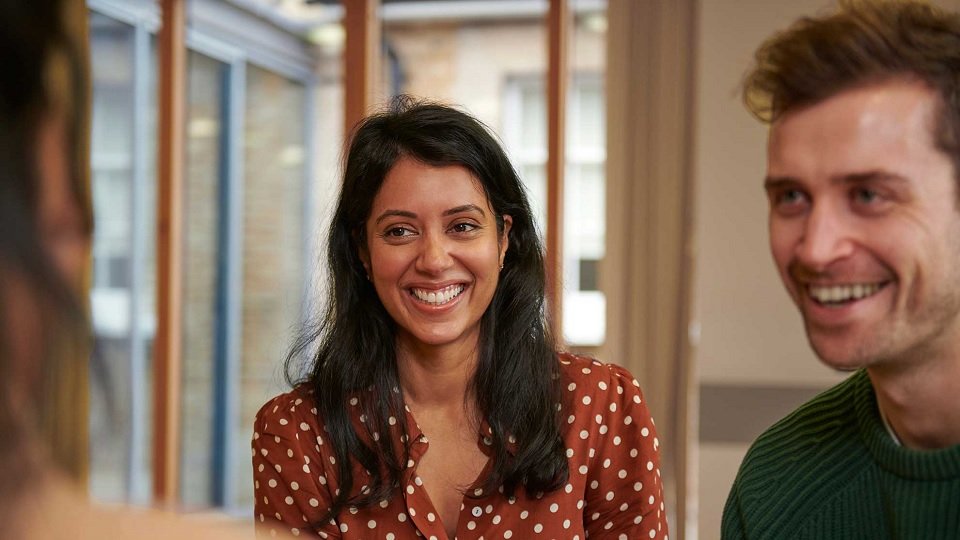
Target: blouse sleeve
{"x": 289, "y": 471}
{"x": 625, "y": 491}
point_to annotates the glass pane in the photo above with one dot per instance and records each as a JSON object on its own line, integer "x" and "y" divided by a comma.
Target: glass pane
{"x": 534, "y": 177}
{"x": 202, "y": 209}
{"x": 122, "y": 292}
{"x": 584, "y": 307}
{"x": 273, "y": 247}
{"x": 584, "y": 211}
{"x": 533, "y": 122}
{"x": 465, "y": 53}
{"x": 587, "y": 115}
{"x": 528, "y": 143}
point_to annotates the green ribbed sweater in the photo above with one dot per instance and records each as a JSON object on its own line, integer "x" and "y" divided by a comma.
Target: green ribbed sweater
{"x": 831, "y": 470}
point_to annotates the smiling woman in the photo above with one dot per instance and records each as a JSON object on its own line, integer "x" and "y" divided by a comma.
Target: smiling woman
{"x": 436, "y": 404}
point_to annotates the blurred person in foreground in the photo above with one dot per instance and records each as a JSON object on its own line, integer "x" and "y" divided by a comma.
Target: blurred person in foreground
{"x": 862, "y": 181}
{"x": 436, "y": 404}
{"x": 45, "y": 227}
{"x": 45, "y": 233}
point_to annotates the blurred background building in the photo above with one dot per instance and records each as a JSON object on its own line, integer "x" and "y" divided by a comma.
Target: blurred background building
{"x": 664, "y": 266}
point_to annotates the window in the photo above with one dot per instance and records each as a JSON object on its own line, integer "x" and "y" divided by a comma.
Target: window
{"x": 274, "y": 254}
{"x": 584, "y": 307}
{"x": 205, "y": 206}
{"x": 247, "y": 206}
{"x": 122, "y": 295}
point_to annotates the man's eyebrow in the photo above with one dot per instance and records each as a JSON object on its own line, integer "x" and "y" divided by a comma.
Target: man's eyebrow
{"x": 391, "y": 213}
{"x": 774, "y": 182}
{"x": 464, "y": 208}
{"x": 870, "y": 176}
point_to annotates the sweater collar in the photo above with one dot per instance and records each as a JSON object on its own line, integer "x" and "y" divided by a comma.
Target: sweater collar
{"x": 942, "y": 464}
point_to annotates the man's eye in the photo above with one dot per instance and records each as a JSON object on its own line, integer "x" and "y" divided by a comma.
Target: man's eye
{"x": 787, "y": 200}
{"x": 790, "y": 196}
{"x": 865, "y": 195}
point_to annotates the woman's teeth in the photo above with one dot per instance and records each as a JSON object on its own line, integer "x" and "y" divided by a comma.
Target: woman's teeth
{"x": 438, "y": 298}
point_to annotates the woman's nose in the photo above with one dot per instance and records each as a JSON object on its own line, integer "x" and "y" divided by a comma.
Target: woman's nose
{"x": 434, "y": 256}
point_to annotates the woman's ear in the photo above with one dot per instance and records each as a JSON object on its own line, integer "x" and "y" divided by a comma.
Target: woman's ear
{"x": 364, "y": 259}
{"x": 362, "y": 253}
{"x": 505, "y": 237}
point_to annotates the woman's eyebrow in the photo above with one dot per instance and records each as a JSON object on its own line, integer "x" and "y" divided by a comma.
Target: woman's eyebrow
{"x": 391, "y": 213}
{"x": 465, "y": 208}
{"x": 407, "y": 214}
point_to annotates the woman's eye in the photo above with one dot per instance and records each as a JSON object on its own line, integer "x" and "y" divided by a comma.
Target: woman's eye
{"x": 463, "y": 227}
{"x": 397, "y": 232}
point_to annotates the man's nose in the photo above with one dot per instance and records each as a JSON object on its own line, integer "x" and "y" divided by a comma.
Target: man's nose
{"x": 826, "y": 238}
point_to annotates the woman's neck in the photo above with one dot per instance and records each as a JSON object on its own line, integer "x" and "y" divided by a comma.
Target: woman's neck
{"x": 435, "y": 376}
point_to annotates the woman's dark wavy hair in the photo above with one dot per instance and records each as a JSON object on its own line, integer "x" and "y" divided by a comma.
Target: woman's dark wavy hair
{"x": 863, "y": 42}
{"x": 516, "y": 383}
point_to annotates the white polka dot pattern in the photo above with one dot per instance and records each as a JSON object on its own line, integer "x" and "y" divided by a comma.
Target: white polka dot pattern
{"x": 614, "y": 489}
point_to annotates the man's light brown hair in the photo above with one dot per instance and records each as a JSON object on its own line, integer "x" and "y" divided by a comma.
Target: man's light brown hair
{"x": 861, "y": 43}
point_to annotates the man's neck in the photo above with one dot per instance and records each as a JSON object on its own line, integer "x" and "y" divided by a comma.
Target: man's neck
{"x": 921, "y": 402}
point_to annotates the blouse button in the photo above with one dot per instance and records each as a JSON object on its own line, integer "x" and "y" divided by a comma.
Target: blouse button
{"x": 477, "y": 511}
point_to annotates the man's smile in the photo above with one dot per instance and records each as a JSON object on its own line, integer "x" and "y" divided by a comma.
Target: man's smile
{"x": 843, "y": 293}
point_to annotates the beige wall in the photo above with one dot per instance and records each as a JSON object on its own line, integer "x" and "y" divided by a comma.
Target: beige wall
{"x": 749, "y": 332}
{"x": 750, "y": 335}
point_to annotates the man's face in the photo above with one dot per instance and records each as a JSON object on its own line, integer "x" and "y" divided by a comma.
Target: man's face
{"x": 864, "y": 226}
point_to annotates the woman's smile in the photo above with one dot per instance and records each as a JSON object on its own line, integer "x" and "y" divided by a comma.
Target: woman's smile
{"x": 437, "y": 297}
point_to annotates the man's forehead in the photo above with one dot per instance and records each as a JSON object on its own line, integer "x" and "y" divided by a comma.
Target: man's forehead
{"x": 877, "y": 123}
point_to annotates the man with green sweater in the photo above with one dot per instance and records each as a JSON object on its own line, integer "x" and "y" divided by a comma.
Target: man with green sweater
{"x": 862, "y": 180}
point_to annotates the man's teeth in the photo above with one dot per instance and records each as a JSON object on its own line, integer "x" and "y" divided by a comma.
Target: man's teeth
{"x": 842, "y": 293}
{"x": 438, "y": 298}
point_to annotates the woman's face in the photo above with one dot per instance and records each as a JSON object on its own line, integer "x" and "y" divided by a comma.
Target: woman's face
{"x": 63, "y": 238}
{"x": 59, "y": 218}
{"x": 434, "y": 254}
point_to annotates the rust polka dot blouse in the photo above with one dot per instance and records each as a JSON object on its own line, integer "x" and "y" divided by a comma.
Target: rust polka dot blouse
{"x": 614, "y": 489}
